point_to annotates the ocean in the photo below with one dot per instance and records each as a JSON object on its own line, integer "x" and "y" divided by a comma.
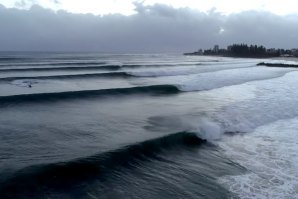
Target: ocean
{"x": 91, "y": 125}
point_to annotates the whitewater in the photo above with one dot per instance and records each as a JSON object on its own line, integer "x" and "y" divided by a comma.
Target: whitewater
{"x": 90, "y": 125}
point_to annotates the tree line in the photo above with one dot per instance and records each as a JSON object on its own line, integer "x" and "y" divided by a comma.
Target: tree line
{"x": 244, "y": 50}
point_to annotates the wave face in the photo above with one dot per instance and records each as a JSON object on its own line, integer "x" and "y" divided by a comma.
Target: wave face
{"x": 84, "y": 66}
{"x": 74, "y": 76}
{"x": 158, "y": 89}
{"x": 66, "y": 175}
{"x": 104, "y": 67}
{"x": 89, "y": 125}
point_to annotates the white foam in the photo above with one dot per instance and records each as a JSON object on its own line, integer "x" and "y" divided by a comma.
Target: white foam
{"x": 25, "y": 82}
{"x": 187, "y": 70}
{"x": 274, "y": 99}
{"x": 280, "y": 61}
{"x": 270, "y": 154}
{"x": 165, "y": 71}
{"x": 269, "y": 146}
{"x": 207, "y": 81}
{"x": 209, "y": 130}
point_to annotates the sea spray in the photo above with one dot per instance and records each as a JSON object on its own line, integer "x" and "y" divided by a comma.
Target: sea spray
{"x": 209, "y": 130}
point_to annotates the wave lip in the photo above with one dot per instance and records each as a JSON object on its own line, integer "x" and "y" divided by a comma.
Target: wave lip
{"x": 155, "y": 89}
{"x": 277, "y": 64}
{"x": 65, "y": 175}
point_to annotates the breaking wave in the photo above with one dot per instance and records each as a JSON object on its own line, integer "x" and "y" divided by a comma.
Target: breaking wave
{"x": 66, "y": 175}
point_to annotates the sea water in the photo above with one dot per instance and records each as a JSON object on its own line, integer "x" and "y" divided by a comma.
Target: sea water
{"x": 90, "y": 125}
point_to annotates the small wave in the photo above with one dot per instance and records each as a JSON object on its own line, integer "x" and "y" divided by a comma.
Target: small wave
{"x": 158, "y": 65}
{"x": 101, "y": 67}
{"x": 13, "y": 58}
{"x": 87, "y": 67}
{"x": 53, "y": 63}
{"x": 73, "y": 63}
{"x": 83, "y": 66}
{"x": 222, "y": 78}
{"x": 194, "y": 69}
{"x": 157, "y": 89}
{"x": 65, "y": 175}
{"x": 164, "y": 72}
{"x": 87, "y": 75}
{"x": 284, "y": 64}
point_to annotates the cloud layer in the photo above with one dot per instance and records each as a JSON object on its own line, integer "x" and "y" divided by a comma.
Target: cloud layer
{"x": 156, "y": 28}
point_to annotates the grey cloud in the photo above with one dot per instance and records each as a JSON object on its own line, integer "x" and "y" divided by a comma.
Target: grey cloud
{"x": 55, "y": 1}
{"x": 263, "y": 28}
{"x": 25, "y": 3}
{"x": 156, "y": 28}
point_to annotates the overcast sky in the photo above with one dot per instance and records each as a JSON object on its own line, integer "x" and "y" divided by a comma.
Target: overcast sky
{"x": 145, "y": 26}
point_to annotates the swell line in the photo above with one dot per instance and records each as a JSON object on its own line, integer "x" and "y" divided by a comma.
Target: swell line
{"x": 52, "y": 63}
{"x": 65, "y": 175}
{"x": 156, "y": 89}
{"x": 14, "y": 58}
{"x": 104, "y": 67}
{"x": 282, "y": 65}
{"x": 86, "y": 67}
{"x": 87, "y": 75}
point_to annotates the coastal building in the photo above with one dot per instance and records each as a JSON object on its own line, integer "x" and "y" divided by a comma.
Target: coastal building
{"x": 216, "y": 49}
{"x": 200, "y": 52}
{"x": 295, "y": 52}
{"x": 271, "y": 50}
{"x": 244, "y": 50}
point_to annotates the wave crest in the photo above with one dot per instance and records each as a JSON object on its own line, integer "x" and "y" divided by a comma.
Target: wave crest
{"x": 156, "y": 89}
{"x": 65, "y": 175}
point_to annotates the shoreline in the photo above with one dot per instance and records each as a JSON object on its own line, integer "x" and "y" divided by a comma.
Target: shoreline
{"x": 252, "y": 57}
{"x": 274, "y": 58}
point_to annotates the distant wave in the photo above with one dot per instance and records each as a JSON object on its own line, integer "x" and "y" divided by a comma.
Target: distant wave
{"x": 70, "y": 63}
{"x": 159, "y": 65}
{"x": 230, "y": 77}
{"x": 51, "y": 63}
{"x": 103, "y": 67}
{"x": 95, "y": 63}
{"x": 288, "y": 64}
{"x": 188, "y": 70}
{"x": 13, "y": 58}
{"x": 157, "y": 89}
{"x": 82, "y": 66}
{"x": 87, "y": 75}
{"x": 40, "y": 179}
